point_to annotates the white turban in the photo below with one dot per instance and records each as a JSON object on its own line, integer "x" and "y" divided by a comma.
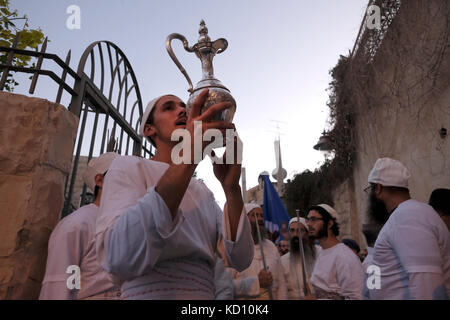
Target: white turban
{"x": 250, "y": 206}
{"x": 98, "y": 166}
{"x": 302, "y": 221}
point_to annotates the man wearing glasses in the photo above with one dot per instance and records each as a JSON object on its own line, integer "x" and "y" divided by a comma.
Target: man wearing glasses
{"x": 412, "y": 250}
{"x": 338, "y": 273}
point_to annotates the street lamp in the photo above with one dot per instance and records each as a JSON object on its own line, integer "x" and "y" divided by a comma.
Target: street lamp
{"x": 324, "y": 146}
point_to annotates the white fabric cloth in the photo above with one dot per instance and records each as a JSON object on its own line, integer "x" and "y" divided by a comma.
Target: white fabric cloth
{"x": 413, "y": 253}
{"x": 250, "y": 206}
{"x": 246, "y": 283}
{"x": 72, "y": 243}
{"x": 328, "y": 209}
{"x": 153, "y": 256}
{"x": 146, "y": 114}
{"x": 338, "y": 271}
{"x": 302, "y": 221}
{"x": 366, "y": 263}
{"x": 96, "y": 166}
{"x": 223, "y": 282}
{"x": 293, "y": 275}
{"x": 389, "y": 172}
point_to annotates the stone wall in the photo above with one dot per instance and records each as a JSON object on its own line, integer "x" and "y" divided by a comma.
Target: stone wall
{"x": 36, "y": 142}
{"x": 402, "y": 100}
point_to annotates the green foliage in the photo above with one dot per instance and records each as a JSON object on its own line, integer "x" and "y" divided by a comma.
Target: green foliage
{"x": 308, "y": 188}
{"x": 29, "y": 39}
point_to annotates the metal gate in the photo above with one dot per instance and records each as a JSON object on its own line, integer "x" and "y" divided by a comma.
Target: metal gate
{"x": 105, "y": 97}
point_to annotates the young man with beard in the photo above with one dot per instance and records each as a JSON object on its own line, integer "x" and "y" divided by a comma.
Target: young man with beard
{"x": 255, "y": 282}
{"x": 412, "y": 250}
{"x": 292, "y": 261}
{"x": 338, "y": 273}
{"x": 159, "y": 227}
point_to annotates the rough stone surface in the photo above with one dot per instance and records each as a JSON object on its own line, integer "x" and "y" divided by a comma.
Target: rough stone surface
{"x": 406, "y": 104}
{"x": 36, "y": 142}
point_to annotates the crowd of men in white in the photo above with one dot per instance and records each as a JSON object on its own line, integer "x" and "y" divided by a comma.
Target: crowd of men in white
{"x": 155, "y": 232}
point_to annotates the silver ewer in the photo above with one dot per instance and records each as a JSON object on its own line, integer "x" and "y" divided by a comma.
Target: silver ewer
{"x": 205, "y": 50}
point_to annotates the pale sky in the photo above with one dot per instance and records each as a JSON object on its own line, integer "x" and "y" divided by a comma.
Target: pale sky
{"x": 276, "y": 65}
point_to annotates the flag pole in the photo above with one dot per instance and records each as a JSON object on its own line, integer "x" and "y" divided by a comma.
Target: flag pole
{"x": 262, "y": 253}
{"x": 305, "y": 288}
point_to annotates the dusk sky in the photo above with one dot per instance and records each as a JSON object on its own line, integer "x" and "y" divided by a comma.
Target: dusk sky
{"x": 276, "y": 65}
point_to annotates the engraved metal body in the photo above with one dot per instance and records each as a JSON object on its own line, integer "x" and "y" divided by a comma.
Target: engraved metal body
{"x": 205, "y": 50}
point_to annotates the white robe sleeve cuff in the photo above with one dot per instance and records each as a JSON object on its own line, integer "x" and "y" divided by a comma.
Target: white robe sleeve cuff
{"x": 239, "y": 253}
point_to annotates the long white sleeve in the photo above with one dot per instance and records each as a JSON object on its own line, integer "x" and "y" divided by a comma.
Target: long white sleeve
{"x": 239, "y": 253}
{"x": 65, "y": 248}
{"x": 138, "y": 237}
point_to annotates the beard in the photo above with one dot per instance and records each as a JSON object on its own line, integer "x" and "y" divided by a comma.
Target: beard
{"x": 377, "y": 210}
{"x": 262, "y": 232}
{"x": 308, "y": 249}
{"x": 321, "y": 233}
{"x": 295, "y": 245}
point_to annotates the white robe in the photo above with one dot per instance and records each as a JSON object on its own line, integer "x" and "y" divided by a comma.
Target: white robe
{"x": 151, "y": 255}
{"x": 246, "y": 283}
{"x": 72, "y": 243}
{"x": 413, "y": 253}
{"x": 292, "y": 268}
{"x": 338, "y": 273}
{"x": 223, "y": 282}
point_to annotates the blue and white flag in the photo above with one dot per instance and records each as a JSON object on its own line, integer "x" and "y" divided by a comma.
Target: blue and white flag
{"x": 274, "y": 211}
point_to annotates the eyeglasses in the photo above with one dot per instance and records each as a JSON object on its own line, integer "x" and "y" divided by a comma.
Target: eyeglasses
{"x": 313, "y": 219}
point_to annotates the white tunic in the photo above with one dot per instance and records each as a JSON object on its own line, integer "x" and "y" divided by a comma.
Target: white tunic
{"x": 223, "y": 282}
{"x": 413, "y": 254}
{"x": 293, "y": 275}
{"x": 338, "y": 272}
{"x": 246, "y": 283}
{"x": 72, "y": 243}
{"x": 153, "y": 256}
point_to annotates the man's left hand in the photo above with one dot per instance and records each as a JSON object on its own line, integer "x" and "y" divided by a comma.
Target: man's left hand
{"x": 229, "y": 173}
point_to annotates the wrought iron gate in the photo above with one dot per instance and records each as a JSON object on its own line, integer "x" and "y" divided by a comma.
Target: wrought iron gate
{"x": 105, "y": 95}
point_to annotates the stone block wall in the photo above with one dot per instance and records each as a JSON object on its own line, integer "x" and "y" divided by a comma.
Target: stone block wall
{"x": 36, "y": 144}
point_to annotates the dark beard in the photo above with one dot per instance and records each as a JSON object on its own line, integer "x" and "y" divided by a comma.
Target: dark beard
{"x": 322, "y": 233}
{"x": 295, "y": 245}
{"x": 377, "y": 210}
{"x": 262, "y": 231}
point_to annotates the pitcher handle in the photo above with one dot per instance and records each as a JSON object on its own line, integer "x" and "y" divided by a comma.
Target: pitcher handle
{"x": 174, "y": 58}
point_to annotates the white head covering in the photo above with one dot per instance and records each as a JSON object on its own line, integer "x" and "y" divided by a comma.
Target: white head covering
{"x": 146, "y": 114}
{"x": 389, "y": 172}
{"x": 96, "y": 166}
{"x": 302, "y": 221}
{"x": 250, "y": 206}
{"x": 328, "y": 209}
